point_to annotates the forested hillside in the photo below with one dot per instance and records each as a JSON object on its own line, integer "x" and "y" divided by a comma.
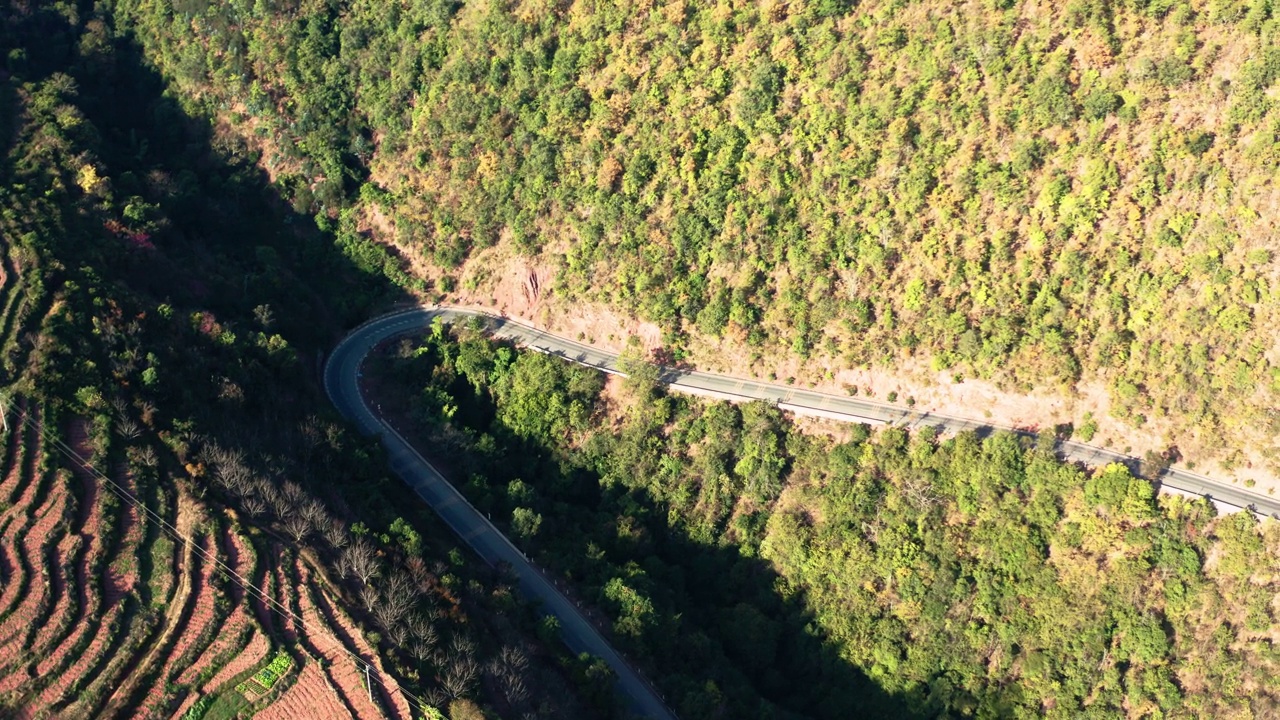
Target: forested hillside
{"x": 187, "y": 529}
{"x": 758, "y": 571}
{"x": 1041, "y": 193}
{"x": 191, "y": 199}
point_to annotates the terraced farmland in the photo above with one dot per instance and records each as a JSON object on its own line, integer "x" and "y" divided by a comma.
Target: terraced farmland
{"x": 121, "y": 596}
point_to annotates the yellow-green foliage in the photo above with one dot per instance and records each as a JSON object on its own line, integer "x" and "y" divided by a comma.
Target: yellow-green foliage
{"x": 963, "y": 577}
{"x": 1033, "y": 191}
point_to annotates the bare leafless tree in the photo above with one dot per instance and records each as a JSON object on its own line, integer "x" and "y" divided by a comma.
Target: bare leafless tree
{"x": 513, "y": 686}
{"x": 335, "y": 533}
{"x": 311, "y": 434}
{"x": 235, "y": 479}
{"x": 297, "y": 526}
{"x": 255, "y": 506}
{"x": 360, "y": 560}
{"x": 462, "y": 646}
{"x": 420, "y": 651}
{"x": 207, "y": 454}
{"x": 369, "y": 595}
{"x": 920, "y": 493}
{"x": 128, "y": 429}
{"x": 460, "y": 676}
{"x": 313, "y": 510}
{"x": 514, "y": 657}
{"x": 294, "y": 493}
{"x": 418, "y": 571}
{"x": 228, "y": 464}
{"x": 397, "y": 599}
{"x": 424, "y": 630}
{"x": 148, "y": 410}
{"x": 508, "y": 668}
{"x": 143, "y": 455}
{"x": 437, "y": 697}
{"x": 281, "y": 505}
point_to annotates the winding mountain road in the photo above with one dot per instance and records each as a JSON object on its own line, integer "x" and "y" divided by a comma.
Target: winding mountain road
{"x": 341, "y": 379}
{"x": 342, "y": 384}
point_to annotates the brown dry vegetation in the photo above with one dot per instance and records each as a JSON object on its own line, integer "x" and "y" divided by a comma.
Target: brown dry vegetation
{"x": 83, "y": 635}
{"x": 109, "y": 286}
{"x": 1068, "y": 205}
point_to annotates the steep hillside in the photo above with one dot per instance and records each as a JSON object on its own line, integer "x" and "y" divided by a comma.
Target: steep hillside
{"x": 760, "y": 572}
{"x": 124, "y": 597}
{"x": 1075, "y": 197}
{"x": 186, "y": 528}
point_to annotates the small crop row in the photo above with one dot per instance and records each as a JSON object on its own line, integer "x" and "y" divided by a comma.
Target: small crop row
{"x": 266, "y": 678}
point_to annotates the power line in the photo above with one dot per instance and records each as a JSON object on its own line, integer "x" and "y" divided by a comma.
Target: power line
{"x": 388, "y": 683}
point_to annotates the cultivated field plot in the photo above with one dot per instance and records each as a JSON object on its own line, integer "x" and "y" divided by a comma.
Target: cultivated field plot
{"x": 107, "y": 613}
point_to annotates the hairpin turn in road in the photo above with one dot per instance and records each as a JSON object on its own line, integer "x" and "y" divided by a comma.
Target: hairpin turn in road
{"x": 341, "y": 379}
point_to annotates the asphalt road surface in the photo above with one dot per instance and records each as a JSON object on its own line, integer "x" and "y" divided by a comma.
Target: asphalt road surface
{"x": 341, "y": 383}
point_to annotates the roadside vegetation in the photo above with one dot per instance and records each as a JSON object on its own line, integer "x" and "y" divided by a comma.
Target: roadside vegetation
{"x": 187, "y": 529}
{"x": 192, "y": 197}
{"x": 1043, "y": 194}
{"x": 758, "y": 571}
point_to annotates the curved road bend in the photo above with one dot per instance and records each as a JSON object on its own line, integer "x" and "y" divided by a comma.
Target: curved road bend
{"x": 804, "y": 402}
{"x": 341, "y": 377}
{"x": 1227, "y": 497}
{"x": 341, "y": 383}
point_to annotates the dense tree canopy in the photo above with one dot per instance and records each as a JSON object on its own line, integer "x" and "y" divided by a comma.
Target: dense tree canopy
{"x": 1038, "y": 192}
{"x": 761, "y": 572}
{"x": 156, "y": 294}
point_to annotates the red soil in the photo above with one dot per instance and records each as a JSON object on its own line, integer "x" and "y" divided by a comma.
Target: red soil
{"x": 21, "y": 479}
{"x": 52, "y": 513}
{"x": 236, "y": 560}
{"x": 311, "y": 696}
{"x": 191, "y": 625}
{"x": 347, "y": 675}
{"x": 224, "y": 643}
{"x": 239, "y": 560}
{"x": 25, "y": 473}
{"x": 91, "y": 657}
{"x": 8, "y": 559}
{"x": 338, "y": 623}
{"x": 120, "y": 578}
{"x": 181, "y": 625}
{"x": 51, "y": 625}
{"x": 80, "y": 444}
{"x": 15, "y": 571}
{"x": 104, "y": 600}
{"x": 90, "y": 599}
{"x": 252, "y": 654}
{"x": 119, "y": 672}
{"x": 285, "y": 595}
{"x": 260, "y": 598}
{"x": 89, "y": 540}
{"x": 227, "y": 636}
{"x": 89, "y": 607}
{"x": 15, "y": 522}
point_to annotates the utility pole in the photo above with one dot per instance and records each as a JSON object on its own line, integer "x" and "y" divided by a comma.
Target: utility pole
{"x": 367, "y": 683}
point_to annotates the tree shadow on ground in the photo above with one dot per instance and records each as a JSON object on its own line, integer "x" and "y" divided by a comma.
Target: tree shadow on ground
{"x": 215, "y": 265}
{"x": 726, "y": 641}
{"x": 189, "y": 285}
